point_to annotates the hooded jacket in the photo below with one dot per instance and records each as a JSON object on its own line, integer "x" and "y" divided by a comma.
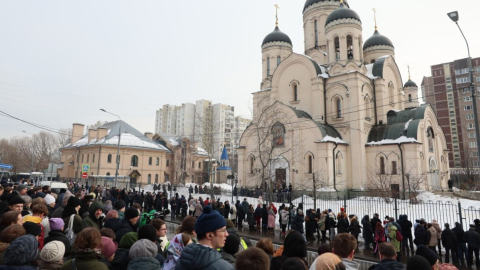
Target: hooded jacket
{"x": 144, "y": 264}
{"x": 367, "y": 229}
{"x": 354, "y": 227}
{"x": 387, "y": 264}
{"x": 297, "y": 223}
{"x": 342, "y": 226}
{"x": 294, "y": 246}
{"x": 420, "y": 235}
{"x": 459, "y": 232}
{"x": 119, "y": 226}
{"x": 406, "y": 226}
{"x": 91, "y": 220}
{"x": 200, "y": 257}
{"x": 472, "y": 238}
{"x": 392, "y": 234}
{"x": 85, "y": 260}
{"x": 449, "y": 240}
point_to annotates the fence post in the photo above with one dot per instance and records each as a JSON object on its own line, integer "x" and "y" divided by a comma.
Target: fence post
{"x": 345, "y": 203}
{"x": 460, "y": 213}
{"x": 396, "y": 209}
{"x": 302, "y": 199}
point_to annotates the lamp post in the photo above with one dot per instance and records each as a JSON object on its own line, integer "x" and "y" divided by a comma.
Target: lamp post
{"x": 31, "y": 163}
{"x": 455, "y": 17}
{"x": 118, "y": 144}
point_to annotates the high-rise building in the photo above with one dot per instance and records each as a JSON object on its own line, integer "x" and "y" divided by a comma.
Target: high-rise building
{"x": 447, "y": 90}
{"x": 177, "y": 120}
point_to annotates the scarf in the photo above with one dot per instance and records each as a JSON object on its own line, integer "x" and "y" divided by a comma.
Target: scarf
{"x": 173, "y": 252}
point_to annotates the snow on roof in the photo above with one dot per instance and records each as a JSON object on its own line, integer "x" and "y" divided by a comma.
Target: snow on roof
{"x": 369, "y": 74}
{"x": 407, "y": 124}
{"x": 126, "y": 139}
{"x": 402, "y": 139}
{"x": 201, "y": 151}
{"x": 332, "y": 139}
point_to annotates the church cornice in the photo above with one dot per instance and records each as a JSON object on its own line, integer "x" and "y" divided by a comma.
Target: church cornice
{"x": 379, "y": 47}
{"x": 277, "y": 43}
{"x": 342, "y": 22}
{"x": 323, "y": 4}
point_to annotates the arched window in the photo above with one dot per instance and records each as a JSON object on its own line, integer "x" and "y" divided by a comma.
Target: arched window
{"x": 394, "y": 167}
{"x": 430, "y": 137}
{"x": 310, "y": 164}
{"x": 268, "y": 66}
{"x": 157, "y": 162}
{"x": 391, "y": 92}
{"x": 316, "y": 34}
{"x": 88, "y": 158}
{"x": 278, "y": 132}
{"x": 337, "y": 49}
{"x": 349, "y": 47}
{"x": 279, "y": 59}
{"x": 382, "y": 165}
{"x": 367, "y": 107}
{"x": 150, "y": 161}
{"x": 295, "y": 92}
{"x": 156, "y": 178}
{"x": 339, "y": 108}
{"x": 109, "y": 158}
{"x": 199, "y": 165}
{"x": 149, "y": 179}
{"x": 252, "y": 163}
{"x": 108, "y": 174}
{"x": 372, "y": 61}
{"x": 409, "y": 97}
{"x": 338, "y": 160}
{"x": 134, "y": 161}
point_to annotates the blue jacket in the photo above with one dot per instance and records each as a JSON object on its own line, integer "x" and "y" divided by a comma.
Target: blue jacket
{"x": 199, "y": 257}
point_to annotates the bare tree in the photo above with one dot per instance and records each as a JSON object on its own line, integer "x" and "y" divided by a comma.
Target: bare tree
{"x": 379, "y": 180}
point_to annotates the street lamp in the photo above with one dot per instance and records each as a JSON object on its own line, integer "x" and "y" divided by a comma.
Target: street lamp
{"x": 118, "y": 144}
{"x": 33, "y": 146}
{"x": 454, "y": 17}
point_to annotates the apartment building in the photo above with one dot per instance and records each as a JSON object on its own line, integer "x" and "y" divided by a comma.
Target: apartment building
{"x": 447, "y": 90}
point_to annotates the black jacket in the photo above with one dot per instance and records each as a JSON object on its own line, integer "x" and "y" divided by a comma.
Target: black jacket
{"x": 354, "y": 227}
{"x": 367, "y": 229}
{"x": 459, "y": 232}
{"x": 420, "y": 235}
{"x": 406, "y": 226}
{"x": 472, "y": 238}
{"x": 119, "y": 226}
{"x": 297, "y": 223}
{"x": 387, "y": 264}
{"x": 294, "y": 246}
{"x": 449, "y": 240}
{"x": 342, "y": 226}
{"x": 374, "y": 222}
{"x": 58, "y": 236}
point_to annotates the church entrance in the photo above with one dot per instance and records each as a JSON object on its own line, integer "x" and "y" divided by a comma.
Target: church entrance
{"x": 280, "y": 178}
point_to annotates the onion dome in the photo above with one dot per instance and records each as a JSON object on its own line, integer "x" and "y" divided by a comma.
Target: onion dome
{"x": 410, "y": 83}
{"x": 276, "y": 36}
{"x": 377, "y": 39}
{"x": 311, "y": 2}
{"x": 342, "y": 12}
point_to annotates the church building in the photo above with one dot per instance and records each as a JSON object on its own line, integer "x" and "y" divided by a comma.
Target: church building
{"x": 340, "y": 112}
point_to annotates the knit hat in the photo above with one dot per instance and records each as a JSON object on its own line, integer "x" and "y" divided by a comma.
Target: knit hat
{"x": 143, "y": 248}
{"x": 229, "y": 223}
{"x": 327, "y": 261}
{"x": 21, "y": 187}
{"x": 428, "y": 254}
{"x": 21, "y": 251}
{"x": 107, "y": 206}
{"x": 418, "y": 263}
{"x": 49, "y": 199}
{"x": 53, "y": 251}
{"x": 109, "y": 247}
{"x": 293, "y": 263}
{"x": 56, "y": 224}
{"x": 16, "y": 200}
{"x": 128, "y": 240}
{"x": 73, "y": 201}
{"x": 119, "y": 204}
{"x": 32, "y": 228}
{"x": 232, "y": 244}
{"x": 209, "y": 221}
{"x": 147, "y": 232}
{"x": 131, "y": 212}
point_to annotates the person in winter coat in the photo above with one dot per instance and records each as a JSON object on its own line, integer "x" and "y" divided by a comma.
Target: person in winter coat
{"x": 473, "y": 241}
{"x": 407, "y": 233}
{"x": 392, "y": 234}
{"x": 233, "y": 214}
{"x": 51, "y": 256}
{"x": 374, "y": 220}
{"x": 226, "y": 210}
{"x": 264, "y": 217}
{"x": 310, "y": 224}
{"x": 258, "y": 215}
{"x": 388, "y": 258}
{"x": 56, "y": 234}
{"x": 271, "y": 220}
{"x": 71, "y": 211}
{"x": 94, "y": 218}
{"x": 354, "y": 227}
{"x": 420, "y": 234}
{"x": 241, "y": 216}
{"x": 431, "y": 240}
{"x": 449, "y": 241}
{"x": 439, "y": 237}
{"x": 198, "y": 210}
{"x": 322, "y": 225}
{"x": 142, "y": 256}
{"x": 294, "y": 246}
{"x": 342, "y": 226}
{"x": 379, "y": 237}
{"x": 297, "y": 223}
{"x": 178, "y": 243}
{"x": 20, "y": 253}
{"x": 461, "y": 243}
{"x": 88, "y": 247}
{"x": 332, "y": 224}
{"x": 367, "y": 232}
{"x": 250, "y": 220}
{"x": 284, "y": 217}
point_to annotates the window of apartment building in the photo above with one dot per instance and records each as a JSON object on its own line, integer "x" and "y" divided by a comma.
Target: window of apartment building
{"x": 455, "y": 146}
{"x": 463, "y": 80}
{"x": 450, "y": 94}
{"x": 461, "y": 71}
{"x": 465, "y": 90}
{"x": 477, "y": 69}
{"x": 472, "y": 144}
{"x": 473, "y": 154}
{"x": 468, "y": 108}
{"x": 472, "y": 135}
{"x": 109, "y": 158}
{"x": 467, "y": 98}
{"x": 469, "y": 116}
{"x": 470, "y": 126}
{"x": 474, "y": 163}
{"x": 157, "y": 162}
{"x": 451, "y": 105}
{"x": 82, "y": 158}
{"x": 452, "y": 121}
{"x": 478, "y": 79}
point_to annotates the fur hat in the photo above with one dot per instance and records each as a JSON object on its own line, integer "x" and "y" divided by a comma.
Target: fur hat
{"x": 143, "y": 248}
{"x": 209, "y": 221}
{"x": 53, "y": 251}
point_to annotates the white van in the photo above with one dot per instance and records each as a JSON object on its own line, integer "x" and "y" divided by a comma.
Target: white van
{"x": 55, "y": 186}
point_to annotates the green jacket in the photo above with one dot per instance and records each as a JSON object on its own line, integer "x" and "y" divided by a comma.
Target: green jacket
{"x": 87, "y": 260}
{"x": 392, "y": 234}
{"x": 91, "y": 221}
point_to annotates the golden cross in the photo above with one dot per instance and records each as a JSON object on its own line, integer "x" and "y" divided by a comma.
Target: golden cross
{"x": 408, "y": 72}
{"x": 276, "y": 13}
{"x": 375, "y": 17}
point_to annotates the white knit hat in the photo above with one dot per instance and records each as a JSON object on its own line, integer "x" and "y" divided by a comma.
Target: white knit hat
{"x": 49, "y": 199}
{"x": 53, "y": 251}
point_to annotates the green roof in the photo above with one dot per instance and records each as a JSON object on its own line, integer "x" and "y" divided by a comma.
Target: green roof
{"x": 326, "y": 130}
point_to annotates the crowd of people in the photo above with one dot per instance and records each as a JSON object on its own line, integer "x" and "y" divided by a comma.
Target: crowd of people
{"x": 84, "y": 228}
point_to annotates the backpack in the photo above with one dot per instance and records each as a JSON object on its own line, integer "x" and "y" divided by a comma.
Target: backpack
{"x": 69, "y": 231}
{"x": 399, "y": 236}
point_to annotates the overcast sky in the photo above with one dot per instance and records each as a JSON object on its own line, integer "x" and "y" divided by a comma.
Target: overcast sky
{"x": 61, "y": 61}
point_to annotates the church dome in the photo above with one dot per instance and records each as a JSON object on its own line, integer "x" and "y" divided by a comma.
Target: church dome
{"x": 410, "y": 83}
{"x": 342, "y": 12}
{"x": 377, "y": 39}
{"x": 311, "y": 2}
{"x": 276, "y": 36}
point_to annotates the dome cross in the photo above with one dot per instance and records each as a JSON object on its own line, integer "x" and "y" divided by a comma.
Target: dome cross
{"x": 276, "y": 13}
